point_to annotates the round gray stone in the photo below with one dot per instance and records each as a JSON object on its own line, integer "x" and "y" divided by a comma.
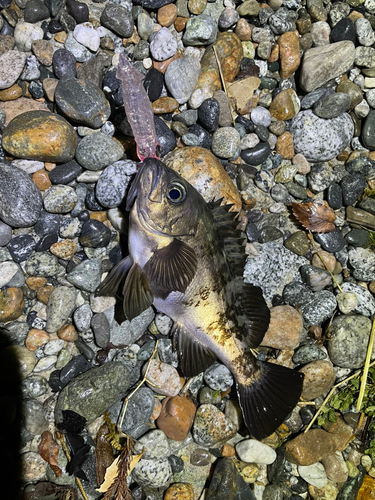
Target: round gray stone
{"x": 153, "y": 473}
{"x": 97, "y": 151}
{"x": 86, "y": 275}
{"x": 42, "y": 264}
{"x": 320, "y": 308}
{"x": 181, "y": 78}
{"x": 61, "y": 304}
{"x": 60, "y": 199}
{"x": 113, "y": 182}
{"x": 200, "y": 30}
{"x": 163, "y": 45}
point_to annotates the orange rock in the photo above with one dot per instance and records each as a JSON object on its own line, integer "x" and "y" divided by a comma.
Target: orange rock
{"x": 167, "y": 14}
{"x": 176, "y": 417}
{"x": 43, "y": 51}
{"x": 275, "y": 53}
{"x": 43, "y": 293}
{"x": 100, "y": 216}
{"x": 341, "y": 432}
{"x": 319, "y": 377}
{"x": 344, "y": 155}
{"x": 354, "y": 15}
{"x": 49, "y": 166}
{"x": 134, "y": 39}
{"x": 64, "y": 249}
{"x": 284, "y": 145}
{"x": 204, "y": 171}
{"x": 163, "y": 65}
{"x": 310, "y": 447}
{"x": 23, "y": 137}
{"x": 285, "y": 105}
{"x": 41, "y": 180}
{"x": 61, "y": 37}
{"x": 243, "y": 30}
{"x": 367, "y": 490}
{"x": 157, "y": 409}
{"x": 68, "y": 333}
{"x": 230, "y": 52}
{"x": 11, "y": 304}
{"x": 228, "y": 450}
{"x": 179, "y": 491}
{"x": 36, "y": 338}
{"x": 164, "y": 105}
{"x": 35, "y": 282}
{"x": 289, "y": 53}
{"x": 285, "y": 329}
{"x": 11, "y": 93}
{"x": 180, "y": 23}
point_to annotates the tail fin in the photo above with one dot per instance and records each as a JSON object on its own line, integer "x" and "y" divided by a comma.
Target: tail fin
{"x": 116, "y": 275}
{"x": 268, "y": 400}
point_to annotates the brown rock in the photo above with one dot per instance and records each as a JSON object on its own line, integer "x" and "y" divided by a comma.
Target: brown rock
{"x": 179, "y": 491}
{"x": 225, "y": 115}
{"x": 41, "y": 180}
{"x": 230, "y": 53}
{"x": 310, "y": 447}
{"x": 11, "y": 93}
{"x": 7, "y": 43}
{"x": 243, "y": 30}
{"x": 36, "y": 338}
{"x": 328, "y": 258}
{"x": 241, "y": 92}
{"x": 164, "y": 105}
{"x": 284, "y": 145}
{"x": 64, "y": 249}
{"x": 301, "y": 163}
{"x": 40, "y": 135}
{"x": 285, "y": 328}
{"x": 35, "y": 282}
{"x": 204, "y": 171}
{"x": 163, "y": 65}
{"x": 15, "y": 108}
{"x": 49, "y": 87}
{"x": 11, "y": 304}
{"x": 157, "y": 409}
{"x": 341, "y": 432}
{"x": 335, "y": 467}
{"x": 304, "y": 24}
{"x": 367, "y": 490}
{"x": 289, "y": 53}
{"x": 61, "y": 37}
{"x": 43, "y": 51}
{"x": 354, "y": 15}
{"x": 68, "y": 333}
{"x": 354, "y": 92}
{"x": 180, "y": 23}
{"x": 43, "y": 293}
{"x": 101, "y": 216}
{"x": 176, "y": 417}
{"x": 228, "y": 450}
{"x": 275, "y": 53}
{"x": 319, "y": 379}
{"x": 197, "y": 7}
{"x": 167, "y": 14}
{"x": 326, "y": 492}
{"x": 285, "y": 105}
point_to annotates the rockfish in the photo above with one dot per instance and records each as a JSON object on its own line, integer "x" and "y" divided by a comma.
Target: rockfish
{"x": 186, "y": 258}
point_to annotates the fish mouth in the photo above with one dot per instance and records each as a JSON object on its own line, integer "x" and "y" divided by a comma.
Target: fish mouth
{"x": 155, "y": 169}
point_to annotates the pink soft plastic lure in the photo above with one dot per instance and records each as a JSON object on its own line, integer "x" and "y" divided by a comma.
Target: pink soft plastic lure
{"x": 138, "y": 109}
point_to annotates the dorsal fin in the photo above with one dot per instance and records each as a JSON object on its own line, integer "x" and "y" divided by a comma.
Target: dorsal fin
{"x": 247, "y": 301}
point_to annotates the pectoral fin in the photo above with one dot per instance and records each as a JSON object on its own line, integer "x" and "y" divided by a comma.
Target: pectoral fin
{"x": 117, "y": 274}
{"x": 194, "y": 356}
{"x": 137, "y": 293}
{"x": 172, "y": 268}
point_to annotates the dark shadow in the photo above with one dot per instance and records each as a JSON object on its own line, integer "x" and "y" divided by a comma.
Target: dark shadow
{"x": 10, "y": 419}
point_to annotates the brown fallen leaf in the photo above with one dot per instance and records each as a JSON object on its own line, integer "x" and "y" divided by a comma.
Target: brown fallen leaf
{"x": 316, "y": 216}
{"x": 49, "y": 450}
{"x": 103, "y": 453}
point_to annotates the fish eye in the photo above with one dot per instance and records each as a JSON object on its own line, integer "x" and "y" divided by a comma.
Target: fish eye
{"x": 176, "y": 193}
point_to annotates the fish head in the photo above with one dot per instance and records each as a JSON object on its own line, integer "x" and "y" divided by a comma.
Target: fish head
{"x": 165, "y": 202}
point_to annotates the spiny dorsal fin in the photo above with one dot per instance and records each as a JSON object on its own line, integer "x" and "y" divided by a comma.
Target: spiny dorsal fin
{"x": 194, "y": 356}
{"x": 137, "y": 293}
{"x": 172, "y": 268}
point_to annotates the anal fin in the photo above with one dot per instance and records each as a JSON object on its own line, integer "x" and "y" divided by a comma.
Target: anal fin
{"x": 194, "y": 356}
{"x": 268, "y": 400}
{"x": 137, "y": 293}
{"x": 116, "y": 275}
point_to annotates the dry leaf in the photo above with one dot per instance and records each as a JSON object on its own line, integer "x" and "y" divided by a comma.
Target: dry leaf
{"x": 315, "y": 216}
{"x": 103, "y": 453}
{"x": 49, "y": 450}
{"x": 112, "y": 471}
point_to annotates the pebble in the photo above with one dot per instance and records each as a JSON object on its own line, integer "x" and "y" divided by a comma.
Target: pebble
{"x": 200, "y": 30}
{"x": 118, "y": 19}
{"x": 211, "y": 427}
{"x": 60, "y": 199}
{"x": 285, "y": 329}
{"x": 33, "y": 467}
{"x": 60, "y": 306}
{"x": 164, "y": 377}
{"x": 335, "y": 467}
{"x": 252, "y": 451}
{"x": 11, "y": 304}
{"x": 97, "y": 151}
{"x": 319, "y": 308}
{"x": 113, "y": 182}
{"x": 319, "y": 377}
{"x": 313, "y": 474}
{"x": 218, "y": 377}
{"x": 153, "y": 473}
{"x": 225, "y": 142}
{"x": 183, "y": 491}
{"x": 86, "y": 276}
{"x": 12, "y": 63}
{"x": 310, "y": 447}
{"x": 163, "y": 45}
{"x": 155, "y": 444}
{"x": 64, "y": 64}
{"x": 181, "y": 78}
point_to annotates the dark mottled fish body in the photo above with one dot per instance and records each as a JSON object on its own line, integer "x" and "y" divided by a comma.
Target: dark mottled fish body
{"x": 186, "y": 258}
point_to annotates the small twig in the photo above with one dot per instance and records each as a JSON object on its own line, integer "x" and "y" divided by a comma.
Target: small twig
{"x": 330, "y": 394}
{"x": 362, "y": 224}
{"x": 224, "y": 84}
{"x": 186, "y": 386}
{"x": 311, "y": 238}
{"x": 126, "y": 400}
{"x": 366, "y": 367}
{"x": 60, "y": 437}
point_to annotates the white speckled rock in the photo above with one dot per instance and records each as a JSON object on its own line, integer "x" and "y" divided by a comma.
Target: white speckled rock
{"x": 7, "y": 270}
{"x": 25, "y": 34}
{"x": 321, "y": 64}
{"x": 313, "y": 474}
{"x": 165, "y": 377}
{"x": 152, "y": 473}
{"x": 163, "y": 45}
{"x": 87, "y": 36}
{"x": 253, "y": 451}
{"x": 365, "y": 300}
{"x": 11, "y": 66}
{"x": 33, "y": 466}
{"x": 155, "y": 443}
{"x": 320, "y": 139}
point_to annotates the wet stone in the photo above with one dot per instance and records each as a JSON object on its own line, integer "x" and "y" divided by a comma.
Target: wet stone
{"x": 60, "y": 199}
{"x": 65, "y": 173}
{"x": 331, "y": 242}
{"x": 257, "y": 155}
{"x": 200, "y": 30}
{"x": 365, "y": 300}
{"x": 208, "y": 114}
{"x": 319, "y": 377}
{"x": 35, "y": 11}
{"x": 165, "y": 136}
{"x": 21, "y": 247}
{"x": 332, "y": 105}
{"x": 343, "y": 30}
{"x": 94, "y": 234}
{"x": 334, "y": 196}
{"x": 78, "y": 10}
{"x": 113, "y": 182}
{"x": 42, "y": 264}
{"x": 64, "y": 64}
{"x": 12, "y": 63}
{"x": 368, "y": 131}
{"x": 86, "y": 276}
{"x": 153, "y": 473}
{"x": 181, "y": 78}
{"x": 211, "y": 427}
{"x": 352, "y": 187}
{"x": 101, "y": 329}
{"x": 358, "y": 238}
{"x": 320, "y": 308}
{"x": 118, "y": 19}
{"x": 77, "y": 365}
{"x": 228, "y": 483}
{"x": 97, "y": 151}
{"x": 218, "y": 377}
{"x": 82, "y": 101}
{"x": 308, "y": 353}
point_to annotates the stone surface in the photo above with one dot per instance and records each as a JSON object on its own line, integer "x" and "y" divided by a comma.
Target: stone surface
{"x": 319, "y": 377}
{"x": 285, "y": 329}
{"x": 211, "y": 427}
{"x": 310, "y": 447}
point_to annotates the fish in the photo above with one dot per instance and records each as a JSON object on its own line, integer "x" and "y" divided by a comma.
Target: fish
{"x": 186, "y": 257}
{"x": 138, "y": 109}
